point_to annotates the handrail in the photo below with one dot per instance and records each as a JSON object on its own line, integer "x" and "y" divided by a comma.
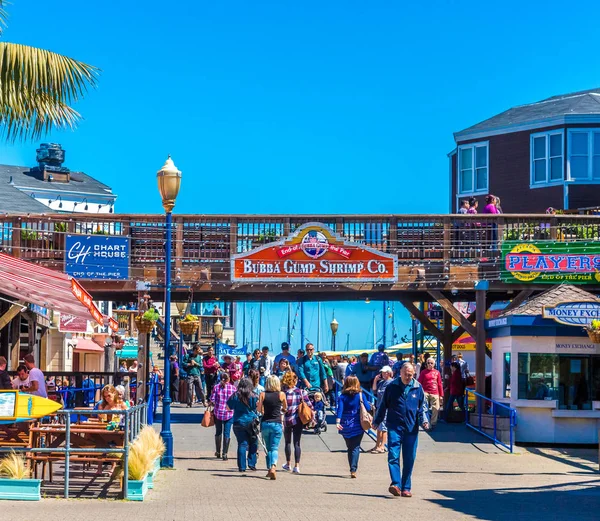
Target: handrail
{"x": 511, "y": 415}
{"x": 133, "y": 419}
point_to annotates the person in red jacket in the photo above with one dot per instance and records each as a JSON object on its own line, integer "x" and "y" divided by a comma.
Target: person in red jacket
{"x": 211, "y": 369}
{"x": 457, "y": 390}
{"x": 431, "y": 381}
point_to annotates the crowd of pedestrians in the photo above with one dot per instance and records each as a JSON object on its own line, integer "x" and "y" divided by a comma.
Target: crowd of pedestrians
{"x": 267, "y": 401}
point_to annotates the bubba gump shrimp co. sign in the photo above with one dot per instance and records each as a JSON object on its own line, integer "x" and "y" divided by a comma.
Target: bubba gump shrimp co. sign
{"x": 313, "y": 253}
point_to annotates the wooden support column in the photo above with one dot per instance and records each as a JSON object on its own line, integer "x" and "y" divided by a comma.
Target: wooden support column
{"x": 15, "y": 342}
{"x": 480, "y": 347}
{"x": 447, "y": 344}
{"x": 449, "y": 308}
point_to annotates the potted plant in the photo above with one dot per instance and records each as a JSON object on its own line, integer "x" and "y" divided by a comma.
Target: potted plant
{"x": 16, "y": 481}
{"x": 146, "y": 322}
{"x": 593, "y": 331}
{"x": 189, "y": 324}
{"x": 139, "y": 466}
{"x": 155, "y": 447}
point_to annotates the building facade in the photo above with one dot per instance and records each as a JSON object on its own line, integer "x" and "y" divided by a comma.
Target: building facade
{"x": 536, "y": 156}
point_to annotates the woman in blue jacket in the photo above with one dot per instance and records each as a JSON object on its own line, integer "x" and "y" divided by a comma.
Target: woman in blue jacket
{"x": 348, "y": 419}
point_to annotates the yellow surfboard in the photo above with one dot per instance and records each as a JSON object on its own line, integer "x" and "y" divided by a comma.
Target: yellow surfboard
{"x": 20, "y": 407}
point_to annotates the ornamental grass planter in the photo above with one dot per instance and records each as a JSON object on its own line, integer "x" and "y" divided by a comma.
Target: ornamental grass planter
{"x": 137, "y": 489}
{"x": 144, "y": 325}
{"x": 20, "y": 489}
{"x": 189, "y": 327}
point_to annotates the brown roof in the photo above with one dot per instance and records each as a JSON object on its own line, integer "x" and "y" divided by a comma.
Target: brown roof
{"x": 551, "y": 297}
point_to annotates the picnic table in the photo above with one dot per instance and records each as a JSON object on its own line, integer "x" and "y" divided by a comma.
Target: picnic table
{"x": 15, "y": 434}
{"x": 88, "y": 435}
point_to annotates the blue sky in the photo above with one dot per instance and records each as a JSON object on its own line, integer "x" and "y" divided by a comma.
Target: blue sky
{"x": 299, "y": 107}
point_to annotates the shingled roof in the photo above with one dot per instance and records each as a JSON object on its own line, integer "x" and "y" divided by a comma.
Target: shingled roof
{"x": 582, "y": 103}
{"x": 551, "y": 297}
{"x": 15, "y": 181}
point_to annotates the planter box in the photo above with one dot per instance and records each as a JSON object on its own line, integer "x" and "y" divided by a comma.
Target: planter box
{"x": 136, "y": 490}
{"x": 152, "y": 474}
{"x": 21, "y": 489}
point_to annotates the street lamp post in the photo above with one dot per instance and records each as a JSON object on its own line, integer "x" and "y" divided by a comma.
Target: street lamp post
{"x": 218, "y": 331}
{"x": 334, "y": 328}
{"x": 169, "y": 181}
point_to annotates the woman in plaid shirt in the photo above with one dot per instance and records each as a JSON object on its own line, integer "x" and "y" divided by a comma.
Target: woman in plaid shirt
{"x": 223, "y": 416}
{"x": 292, "y": 426}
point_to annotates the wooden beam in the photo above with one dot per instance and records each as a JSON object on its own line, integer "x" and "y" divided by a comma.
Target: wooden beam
{"x": 421, "y": 317}
{"x": 460, "y": 330}
{"x": 12, "y": 312}
{"x": 519, "y": 299}
{"x": 455, "y": 313}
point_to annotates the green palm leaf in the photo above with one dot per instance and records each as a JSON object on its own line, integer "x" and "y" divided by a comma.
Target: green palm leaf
{"x": 37, "y": 88}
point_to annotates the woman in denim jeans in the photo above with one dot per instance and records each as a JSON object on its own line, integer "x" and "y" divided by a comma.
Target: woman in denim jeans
{"x": 223, "y": 416}
{"x": 272, "y": 404}
{"x": 243, "y": 404}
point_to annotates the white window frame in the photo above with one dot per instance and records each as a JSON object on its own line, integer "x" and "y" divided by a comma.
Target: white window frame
{"x": 589, "y": 180}
{"x": 547, "y": 157}
{"x": 472, "y": 146}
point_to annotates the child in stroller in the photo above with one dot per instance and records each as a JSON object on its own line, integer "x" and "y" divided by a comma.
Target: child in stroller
{"x": 319, "y": 405}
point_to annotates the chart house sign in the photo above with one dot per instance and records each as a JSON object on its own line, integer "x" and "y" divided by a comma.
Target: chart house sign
{"x": 313, "y": 253}
{"x": 550, "y": 262}
{"x": 573, "y": 313}
{"x": 97, "y": 257}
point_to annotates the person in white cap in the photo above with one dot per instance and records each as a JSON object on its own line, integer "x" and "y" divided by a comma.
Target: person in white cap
{"x": 382, "y": 380}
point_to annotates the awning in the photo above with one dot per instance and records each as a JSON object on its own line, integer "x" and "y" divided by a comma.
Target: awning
{"x": 87, "y": 345}
{"x": 45, "y": 287}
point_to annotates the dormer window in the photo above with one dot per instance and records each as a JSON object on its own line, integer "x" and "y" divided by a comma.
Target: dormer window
{"x": 473, "y": 172}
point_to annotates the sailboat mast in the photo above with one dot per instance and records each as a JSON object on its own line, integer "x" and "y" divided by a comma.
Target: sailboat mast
{"x": 318, "y": 326}
{"x": 260, "y": 324}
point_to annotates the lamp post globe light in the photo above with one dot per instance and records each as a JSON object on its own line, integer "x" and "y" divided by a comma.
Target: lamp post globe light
{"x": 169, "y": 181}
{"x": 334, "y": 328}
{"x": 218, "y": 331}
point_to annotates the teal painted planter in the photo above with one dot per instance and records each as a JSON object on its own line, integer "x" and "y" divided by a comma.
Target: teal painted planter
{"x": 21, "y": 489}
{"x": 150, "y": 478}
{"x": 136, "y": 490}
{"x": 157, "y": 464}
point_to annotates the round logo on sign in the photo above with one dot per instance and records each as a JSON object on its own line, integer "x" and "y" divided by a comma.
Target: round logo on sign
{"x": 314, "y": 244}
{"x": 521, "y": 275}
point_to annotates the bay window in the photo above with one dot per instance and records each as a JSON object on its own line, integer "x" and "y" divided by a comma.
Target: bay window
{"x": 547, "y": 158}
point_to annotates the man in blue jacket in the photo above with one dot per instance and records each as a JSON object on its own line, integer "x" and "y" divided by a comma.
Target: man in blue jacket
{"x": 404, "y": 402}
{"x": 311, "y": 371}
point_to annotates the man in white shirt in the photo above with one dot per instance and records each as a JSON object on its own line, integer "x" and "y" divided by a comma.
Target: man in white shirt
{"x": 22, "y": 379}
{"x": 37, "y": 382}
{"x": 265, "y": 362}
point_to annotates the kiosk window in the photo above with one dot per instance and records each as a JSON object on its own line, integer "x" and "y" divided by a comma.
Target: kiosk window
{"x": 571, "y": 379}
{"x": 506, "y": 376}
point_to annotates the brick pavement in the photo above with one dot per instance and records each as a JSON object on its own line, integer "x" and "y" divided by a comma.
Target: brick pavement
{"x": 457, "y": 476}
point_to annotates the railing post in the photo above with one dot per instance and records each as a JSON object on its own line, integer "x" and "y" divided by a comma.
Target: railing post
{"x": 178, "y": 223}
{"x": 67, "y": 453}
{"x": 126, "y": 457}
{"x": 494, "y": 413}
{"x": 393, "y": 246}
{"x": 233, "y": 236}
{"x": 447, "y": 239}
{"x": 16, "y": 238}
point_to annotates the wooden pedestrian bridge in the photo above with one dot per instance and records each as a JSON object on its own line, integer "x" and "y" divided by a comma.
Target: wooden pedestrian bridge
{"x": 338, "y": 257}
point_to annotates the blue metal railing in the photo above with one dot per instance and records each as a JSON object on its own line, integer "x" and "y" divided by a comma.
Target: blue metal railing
{"x": 495, "y": 411}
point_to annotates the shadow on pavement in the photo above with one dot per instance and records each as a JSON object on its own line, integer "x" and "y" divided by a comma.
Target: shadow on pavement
{"x": 581, "y": 501}
{"x": 354, "y": 494}
{"x": 568, "y": 456}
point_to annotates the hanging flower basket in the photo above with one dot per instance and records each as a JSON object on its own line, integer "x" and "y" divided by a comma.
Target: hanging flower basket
{"x": 594, "y": 335}
{"x": 144, "y": 325}
{"x": 593, "y": 331}
{"x": 189, "y": 327}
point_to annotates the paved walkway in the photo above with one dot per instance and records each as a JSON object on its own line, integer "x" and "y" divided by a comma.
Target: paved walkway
{"x": 458, "y": 475}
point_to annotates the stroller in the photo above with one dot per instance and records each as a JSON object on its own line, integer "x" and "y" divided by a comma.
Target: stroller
{"x": 319, "y": 423}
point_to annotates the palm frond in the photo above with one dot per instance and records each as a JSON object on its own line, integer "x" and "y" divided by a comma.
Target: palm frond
{"x": 37, "y": 88}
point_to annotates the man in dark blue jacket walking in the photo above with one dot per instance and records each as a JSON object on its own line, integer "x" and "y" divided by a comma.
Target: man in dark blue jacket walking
{"x": 404, "y": 402}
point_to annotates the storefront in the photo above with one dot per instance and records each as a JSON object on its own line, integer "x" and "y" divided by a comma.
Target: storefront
{"x": 546, "y": 367}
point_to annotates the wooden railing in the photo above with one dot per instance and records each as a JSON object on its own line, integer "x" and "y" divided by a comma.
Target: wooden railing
{"x": 203, "y": 245}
